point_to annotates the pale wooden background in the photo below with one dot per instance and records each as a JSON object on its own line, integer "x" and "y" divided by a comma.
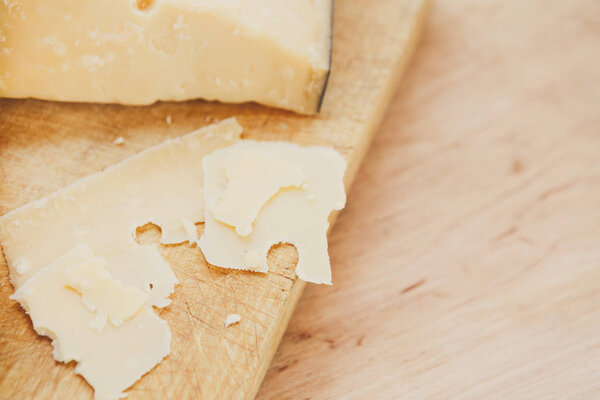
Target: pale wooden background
{"x": 467, "y": 263}
{"x": 47, "y": 145}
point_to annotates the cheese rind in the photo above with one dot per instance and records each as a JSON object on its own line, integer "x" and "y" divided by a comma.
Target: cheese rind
{"x": 295, "y": 215}
{"x": 274, "y": 53}
{"x": 110, "y": 360}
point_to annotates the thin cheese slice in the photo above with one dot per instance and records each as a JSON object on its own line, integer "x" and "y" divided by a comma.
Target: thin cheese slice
{"x": 137, "y": 52}
{"x": 75, "y": 263}
{"x": 110, "y": 360}
{"x": 295, "y": 215}
{"x": 162, "y": 185}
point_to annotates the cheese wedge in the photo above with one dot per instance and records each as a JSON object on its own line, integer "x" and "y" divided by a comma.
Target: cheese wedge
{"x": 140, "y": 51}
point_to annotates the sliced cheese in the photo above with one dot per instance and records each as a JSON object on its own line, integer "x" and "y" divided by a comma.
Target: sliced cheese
{"x": 138, "y": 52}
{"x": 292, "y": 207}
{"x": 82, "y": 277}
{"x": 269, "y": 173}
{"x": 162, "y": 185}
{"x": 111, "y": 359}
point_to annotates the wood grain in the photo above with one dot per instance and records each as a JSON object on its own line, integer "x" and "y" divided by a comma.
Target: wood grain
{"x": 467, "y": 262}
{"x": 45, "y": 146}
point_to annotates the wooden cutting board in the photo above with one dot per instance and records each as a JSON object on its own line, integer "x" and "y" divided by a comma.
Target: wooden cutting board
{"x": 45, "y": 146}
{"x": 467, "y": 261}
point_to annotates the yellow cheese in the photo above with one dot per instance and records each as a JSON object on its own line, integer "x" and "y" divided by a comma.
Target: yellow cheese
{"x": 137, "y": 52}
{"x": 112, "y": 359}
{"x": 162, "y": 185}
{"x": 269, "y": 173}
{"x": 88, "y": 285}
{"x": 290, "y": 202}
{"x": 74, "y": 261}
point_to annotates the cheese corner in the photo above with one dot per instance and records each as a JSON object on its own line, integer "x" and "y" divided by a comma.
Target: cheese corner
{"x": 140, "y": 52}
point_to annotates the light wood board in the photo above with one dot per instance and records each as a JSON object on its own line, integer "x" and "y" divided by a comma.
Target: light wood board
{"x": 467, "y": 262}
{"x": 45, "y": 146}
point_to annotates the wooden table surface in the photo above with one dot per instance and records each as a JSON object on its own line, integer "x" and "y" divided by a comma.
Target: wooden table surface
{"x": 45, "y": 146}
{"x": 467, "y": 263}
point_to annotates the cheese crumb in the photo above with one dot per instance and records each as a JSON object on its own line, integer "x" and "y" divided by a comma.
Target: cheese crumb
{"x": 118, "y": 141}
{"x": 22, "y": 266}
{"x": 232, "y": 319}
{"x": 169, "y": 120}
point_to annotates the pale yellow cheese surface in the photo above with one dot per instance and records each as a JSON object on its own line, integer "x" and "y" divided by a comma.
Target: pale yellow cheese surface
{"x": 103, "y": 294}
{"x": 81, "y": 275}
{"x": 296, "y": 214}
{"x": 267, "y": 172}
{"x": 272, "y": 52}
{"x": 92, "y": 291}
{"x": 162, "y": 185}
{"x": 110, "y": 359}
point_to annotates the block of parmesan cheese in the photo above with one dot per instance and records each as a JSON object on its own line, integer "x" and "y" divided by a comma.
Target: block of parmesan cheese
{"x": 140, "y": 51}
